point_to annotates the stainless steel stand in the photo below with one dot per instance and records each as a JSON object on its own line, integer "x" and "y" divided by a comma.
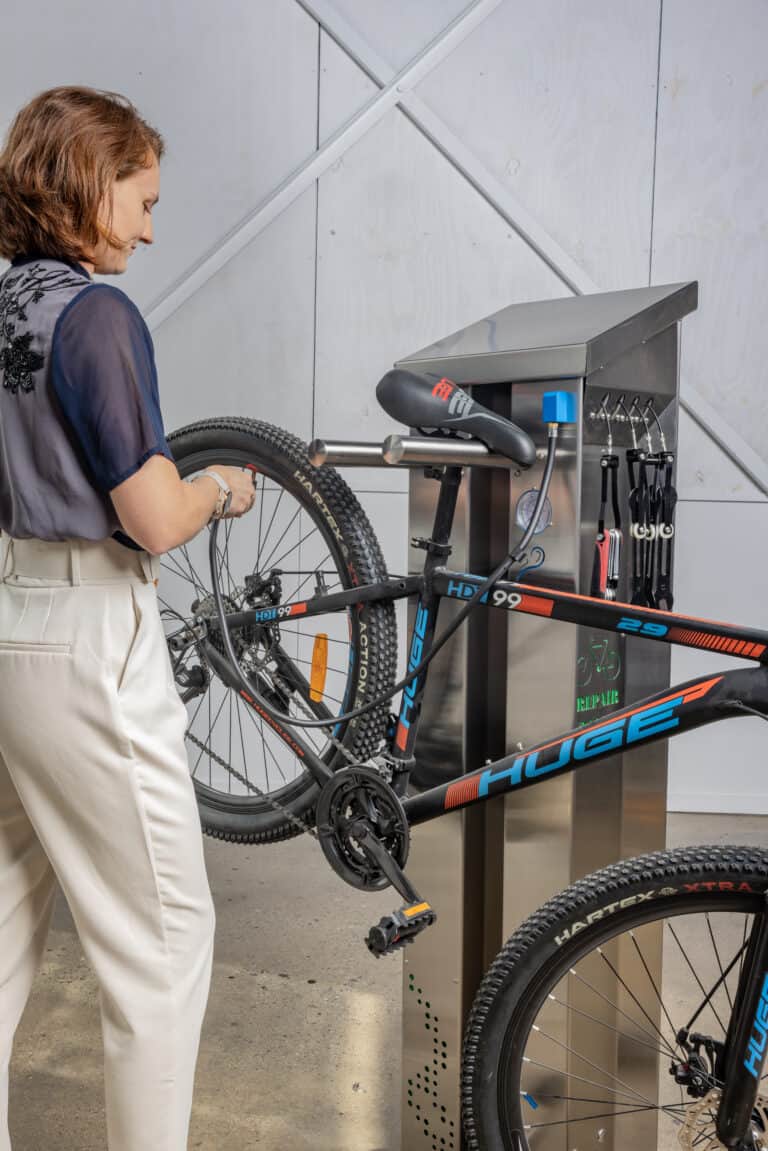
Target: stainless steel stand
{"x": 502, "y": 683}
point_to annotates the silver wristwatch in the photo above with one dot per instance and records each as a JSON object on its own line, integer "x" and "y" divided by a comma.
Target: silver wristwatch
{"x": 225, "y": 494}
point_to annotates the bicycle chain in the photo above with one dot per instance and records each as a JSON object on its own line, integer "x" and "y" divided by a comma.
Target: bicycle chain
{"x": 274, "y": 803}
{"x": 304, "y": 828}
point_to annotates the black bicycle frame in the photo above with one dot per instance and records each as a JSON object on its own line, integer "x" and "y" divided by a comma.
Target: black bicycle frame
{"x": 667, "y": 713}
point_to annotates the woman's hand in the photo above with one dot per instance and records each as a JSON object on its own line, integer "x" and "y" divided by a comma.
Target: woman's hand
{"x": 241, "y": 481}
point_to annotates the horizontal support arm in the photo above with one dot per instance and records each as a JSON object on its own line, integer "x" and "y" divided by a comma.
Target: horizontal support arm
{"x": 409, "y": 452}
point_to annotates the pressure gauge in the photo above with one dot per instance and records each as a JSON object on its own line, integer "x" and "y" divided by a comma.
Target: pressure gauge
{"x": 526, "y": 506}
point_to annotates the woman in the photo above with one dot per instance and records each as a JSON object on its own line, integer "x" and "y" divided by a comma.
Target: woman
{"x": 95, "y": 790}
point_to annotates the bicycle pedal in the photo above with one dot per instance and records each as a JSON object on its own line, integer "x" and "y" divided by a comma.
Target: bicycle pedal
{"x": 392, "y": 932}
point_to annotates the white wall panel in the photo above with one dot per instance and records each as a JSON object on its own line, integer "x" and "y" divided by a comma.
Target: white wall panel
{"x": 406, "y": 254}
{"x": 704, "y": 471}
{"x": 558, "y": 101}
{"x": 400, "y": 29}
{"x": 711, "y": 215}
{"x": 719, "y": 574}
{"x": 237, "y": 117}
{"x": 344, "y": 88}
{"x": 243, "y": 344}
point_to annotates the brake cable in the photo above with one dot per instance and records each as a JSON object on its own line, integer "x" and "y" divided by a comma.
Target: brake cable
{"x": 511, "y": 558}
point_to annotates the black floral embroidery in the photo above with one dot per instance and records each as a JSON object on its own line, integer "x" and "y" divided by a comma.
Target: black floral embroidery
{"x": 18, "y": 361}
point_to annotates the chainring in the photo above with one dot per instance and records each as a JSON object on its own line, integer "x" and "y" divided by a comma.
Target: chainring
{"x": 360, "y": 793}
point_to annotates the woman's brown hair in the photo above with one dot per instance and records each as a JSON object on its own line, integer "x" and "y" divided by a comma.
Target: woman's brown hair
{"x": 61, "y": 155}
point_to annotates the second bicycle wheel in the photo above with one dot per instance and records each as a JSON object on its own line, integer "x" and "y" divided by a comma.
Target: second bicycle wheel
{"x": 306, "y": 536}
{"x": 602, "y": 1021}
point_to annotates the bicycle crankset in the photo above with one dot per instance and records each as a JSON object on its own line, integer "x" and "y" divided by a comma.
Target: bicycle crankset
{"x": 356, "y": 808}
{"x": 363, "y": 831}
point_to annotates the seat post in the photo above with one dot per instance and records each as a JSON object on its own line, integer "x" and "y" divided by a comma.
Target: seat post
{"x": 437, "y": 547}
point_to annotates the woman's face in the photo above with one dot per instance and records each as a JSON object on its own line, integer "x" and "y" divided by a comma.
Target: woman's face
{"x": 132, "y": 201}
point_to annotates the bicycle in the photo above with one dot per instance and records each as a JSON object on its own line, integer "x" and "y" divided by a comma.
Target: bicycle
{"x": 260, "y": 642}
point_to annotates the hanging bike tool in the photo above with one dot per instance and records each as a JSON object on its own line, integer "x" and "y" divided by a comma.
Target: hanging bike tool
{"x": 665, "y": 520}
{"x": 639, "y": 507}
{"x": 607, "y": 560}
{"x": 653, "y": 469}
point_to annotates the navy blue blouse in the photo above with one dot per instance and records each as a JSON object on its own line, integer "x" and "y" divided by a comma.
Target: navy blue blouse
{"x": 104, "y": 376}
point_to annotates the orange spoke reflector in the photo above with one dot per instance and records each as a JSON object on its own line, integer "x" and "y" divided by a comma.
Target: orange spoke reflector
{"x": 319, "y": 667}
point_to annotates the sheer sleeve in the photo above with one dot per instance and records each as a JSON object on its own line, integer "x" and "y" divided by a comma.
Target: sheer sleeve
{"x": 104, "y": 377}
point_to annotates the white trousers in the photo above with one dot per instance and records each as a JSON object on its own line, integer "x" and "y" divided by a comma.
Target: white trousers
{"x": 95, "y": 793}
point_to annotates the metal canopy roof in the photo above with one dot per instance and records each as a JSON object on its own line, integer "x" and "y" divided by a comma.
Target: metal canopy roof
{"x": 547, "y": 339}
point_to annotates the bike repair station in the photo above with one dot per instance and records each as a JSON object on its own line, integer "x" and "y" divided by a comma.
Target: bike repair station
{"x": 498, "y": 688}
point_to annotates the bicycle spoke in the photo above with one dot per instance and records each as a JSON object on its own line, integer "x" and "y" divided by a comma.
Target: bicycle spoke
{"x": 242, "y": 741}
{"x": 603, "y": 1115}
{"x": 719, "y": 964}
{"x": 611, "y": 1102}
{"x": 684, "y": 954}
{"x": 196, "y": 578}
{"x": 589, "y": 1063}
{"x": 302, "y": 635}
{"x": 194, "y": 717}
{"x": 225, "y": 557}
{"x": 743, "y": 949}
{"x": 609, "y": 1026}
{"x": 308, "y": 662}
{"x": 739, "y": 955}
{"x": 670, "y": 1050}
{"x": 261, "y": 519}
{"x": 280, "y": 559}
{"x": 652, "y": 982}
{"x": 268, "y": 562}
{"x": 260, "y": 726}
{"x": 629, "y": 992}
{"x": 229, "y": 757}
{"x": 210, "y": 729}
{"x": 199, "y": 589}
{"x": 632, "y": 1095}
{"x": 263, "y": 541}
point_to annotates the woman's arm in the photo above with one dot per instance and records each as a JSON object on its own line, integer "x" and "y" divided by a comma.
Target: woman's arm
{"x": 158, "y": 510}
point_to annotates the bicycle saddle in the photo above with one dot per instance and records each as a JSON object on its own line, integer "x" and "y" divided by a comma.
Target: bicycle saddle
{"x": 423, "y": 403}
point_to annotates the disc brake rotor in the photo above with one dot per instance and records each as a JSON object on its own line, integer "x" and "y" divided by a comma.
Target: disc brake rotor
{"x": 697, "y": 1132}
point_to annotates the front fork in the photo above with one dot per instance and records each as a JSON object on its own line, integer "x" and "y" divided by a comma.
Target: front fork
{"x": 746, "y": 1041}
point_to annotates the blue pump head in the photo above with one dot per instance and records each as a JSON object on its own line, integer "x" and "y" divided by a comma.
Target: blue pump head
{"x": 558, "y": 408}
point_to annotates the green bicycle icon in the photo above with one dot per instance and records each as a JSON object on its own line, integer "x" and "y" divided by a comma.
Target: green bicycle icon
{"x": 601, "y": 662}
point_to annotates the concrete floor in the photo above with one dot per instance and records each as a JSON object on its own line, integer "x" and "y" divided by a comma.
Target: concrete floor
{"x": 301, "y": 1041}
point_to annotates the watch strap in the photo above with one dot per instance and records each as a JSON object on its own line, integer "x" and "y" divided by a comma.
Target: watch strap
{"x": 219, "y": 479}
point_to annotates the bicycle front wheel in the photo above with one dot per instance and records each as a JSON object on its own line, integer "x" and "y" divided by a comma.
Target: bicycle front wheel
{"x": 601, "y": 1022}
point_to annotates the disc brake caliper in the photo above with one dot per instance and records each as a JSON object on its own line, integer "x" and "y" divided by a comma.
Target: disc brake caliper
{"x": 699, "y": 1071}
